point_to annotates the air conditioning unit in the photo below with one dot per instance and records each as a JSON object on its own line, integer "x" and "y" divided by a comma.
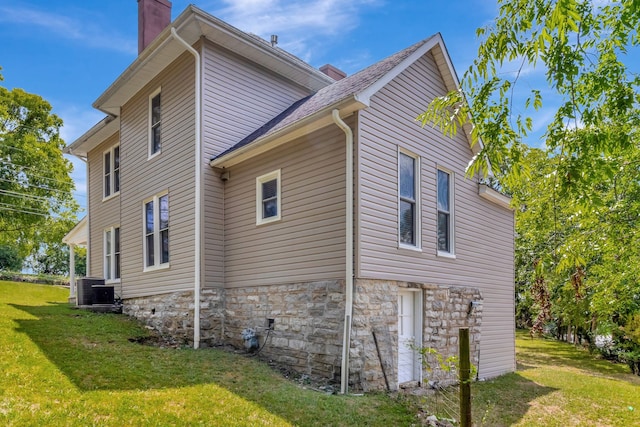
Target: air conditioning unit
{"x": 85, "y": 289}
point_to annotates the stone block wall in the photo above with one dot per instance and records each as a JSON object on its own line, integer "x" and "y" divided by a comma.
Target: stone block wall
{"x": 446, "y": 310}
{"x": 171, "y": 315}
{"x": 374, "y": 336}
{"x": 308, "y": 323}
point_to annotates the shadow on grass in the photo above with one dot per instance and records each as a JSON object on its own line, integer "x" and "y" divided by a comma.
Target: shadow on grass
{"x": 94, "y": 352}
{"x": 489, "y": 397}
{"x": 544, "y": 352}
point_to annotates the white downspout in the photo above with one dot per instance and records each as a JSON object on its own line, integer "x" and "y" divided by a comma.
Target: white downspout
{"x": 198, "y": 225}
{"x": 87, "y": 259}
{"x": 72, "y": 270}
{"x": 348, "y": 309}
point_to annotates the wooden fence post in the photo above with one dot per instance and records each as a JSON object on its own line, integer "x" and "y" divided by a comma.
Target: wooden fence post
{"x": 465, "y": 373}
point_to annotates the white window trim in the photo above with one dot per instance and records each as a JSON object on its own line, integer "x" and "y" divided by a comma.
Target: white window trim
{"x": 112, "y": 254}
{"x": 418, "y": 212}
{"x": 150, "y": 152}
{"x": 259, "y": 180}
{"x": 156, "y": 232}
{"x": 452, "y": 208}
{"x": 111, "y": 152}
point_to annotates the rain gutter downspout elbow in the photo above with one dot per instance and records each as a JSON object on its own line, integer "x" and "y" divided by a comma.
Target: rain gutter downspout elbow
{"x": 348, "y": 309}
{"x": 198, "y": 196}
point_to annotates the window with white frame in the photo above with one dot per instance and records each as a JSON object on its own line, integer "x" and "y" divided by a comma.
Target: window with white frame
{"x": 268, "y": 197}
{"x": 408, "y": 203}
{"x": 111, "y": 171}
{"x": 112, "y": 254}
{"x": 445, "y": 212}
{"x": 155, "y": 124}
{"x": 156, "y": 231}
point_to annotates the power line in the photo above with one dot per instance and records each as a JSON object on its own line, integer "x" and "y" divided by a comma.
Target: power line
{"x": 23, "y": 195}
{"x": 32, "y": 174}
{"x": 38, "y": 186}
{"x": 11, "y": 208}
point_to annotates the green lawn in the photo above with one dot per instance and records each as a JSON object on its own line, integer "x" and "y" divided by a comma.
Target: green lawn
{"x": 558, "y": 385}
{"x": 60, "y": 366}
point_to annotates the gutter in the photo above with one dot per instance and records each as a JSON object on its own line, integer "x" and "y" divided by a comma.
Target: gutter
{"x": 198, "y": 201}
{"x": 348, "y": 309}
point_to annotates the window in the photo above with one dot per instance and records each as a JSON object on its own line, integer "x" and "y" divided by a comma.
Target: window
{"x": 112, "y": 172}
{"x": 112, "y": 254}
{"x": 408, "y": 190}
{"x": 156, "y": 231}
{"x": 155, "y": 124}
{"x": 268, "y": 198}
{"x": 445, "y": 211}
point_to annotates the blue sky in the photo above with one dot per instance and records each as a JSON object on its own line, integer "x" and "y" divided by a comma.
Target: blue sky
{"x": 69, "y": 52}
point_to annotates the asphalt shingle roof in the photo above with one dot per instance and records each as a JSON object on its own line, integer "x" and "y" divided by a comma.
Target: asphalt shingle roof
{"x": 326, "y": 97}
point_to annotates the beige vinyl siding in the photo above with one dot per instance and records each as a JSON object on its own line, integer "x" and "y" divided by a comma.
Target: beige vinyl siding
{"x": 172, "y": 170}
{"x": 104, "y": 213}
{"x": 483, "y": 232}
{"x": 308, "y": 243}
{"x": 238, "y": 98}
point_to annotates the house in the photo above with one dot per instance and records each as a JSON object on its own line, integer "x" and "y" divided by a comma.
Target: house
{"x": 234, "y": 188}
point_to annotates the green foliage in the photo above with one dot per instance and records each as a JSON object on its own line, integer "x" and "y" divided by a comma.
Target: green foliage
{"x": 581, "y": 46}
{"x": 10, "y": 259}
{"x": 35, "y": 182}
{"x": 577, "y": 242}
{"x": 450, "y": 364}
{"x": 578, "y": 264}
{"x": 48, "y": 254}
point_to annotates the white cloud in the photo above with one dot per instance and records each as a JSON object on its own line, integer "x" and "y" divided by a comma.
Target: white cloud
{"x": 84, "y": 31}
{"x": 302, "y": 26}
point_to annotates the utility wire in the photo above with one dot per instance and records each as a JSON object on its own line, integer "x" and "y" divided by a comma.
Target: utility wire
{"x": 38, "y": 186}
{"x": 31, "y": 168}
{"x": 24, "y": 196}
{"x": 11, "y": 208}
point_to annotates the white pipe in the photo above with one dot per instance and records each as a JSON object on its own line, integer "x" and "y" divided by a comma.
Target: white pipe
{"x": 72, "y": 270}
{"x": 198, "y": 225}
{"x": 348, "y": 309}
{"x": 87, "y": 260}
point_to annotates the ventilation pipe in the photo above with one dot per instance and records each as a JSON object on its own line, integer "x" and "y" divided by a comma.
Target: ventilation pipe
{"x": 198, "y": 202}
{"x": 348, "y": 309}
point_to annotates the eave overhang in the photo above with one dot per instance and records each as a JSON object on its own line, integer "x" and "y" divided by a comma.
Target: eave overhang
{"x": 191, "y": 25}
{"x": 93, "y": 137}
{"x": 494, "y": 196}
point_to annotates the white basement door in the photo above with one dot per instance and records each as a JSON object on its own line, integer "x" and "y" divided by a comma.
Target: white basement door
{"x": 407, "y": 369}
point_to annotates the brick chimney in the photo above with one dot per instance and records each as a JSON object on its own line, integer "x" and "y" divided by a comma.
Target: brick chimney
{"x": 153, "y": 17}
{"x": 333, "y": 72}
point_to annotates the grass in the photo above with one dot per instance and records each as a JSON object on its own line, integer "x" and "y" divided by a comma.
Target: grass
{"x": 60, "y": 366}
{"x": 557, "y": 384}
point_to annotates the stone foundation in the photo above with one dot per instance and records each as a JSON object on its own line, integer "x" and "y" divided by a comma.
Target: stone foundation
{"x": 308, "y": 322}
{"x": 375, "y": 313}
{"x": 171, "y": 315}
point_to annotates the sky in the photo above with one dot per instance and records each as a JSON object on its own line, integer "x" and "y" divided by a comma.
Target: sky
{"x": 69, "y": 52}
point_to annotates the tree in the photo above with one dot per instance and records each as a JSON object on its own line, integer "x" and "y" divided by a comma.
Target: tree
{"x": 48, "y": 254}
{"x": 577, "y": 245}
{"x": 10, "y": 259}
{"x": 35, "y": 182}
{"x": 581, "y": 45}
{"x": 578, "y": 270}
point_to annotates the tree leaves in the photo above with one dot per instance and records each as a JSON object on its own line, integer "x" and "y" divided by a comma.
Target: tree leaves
{"x": 35, "y": 182}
